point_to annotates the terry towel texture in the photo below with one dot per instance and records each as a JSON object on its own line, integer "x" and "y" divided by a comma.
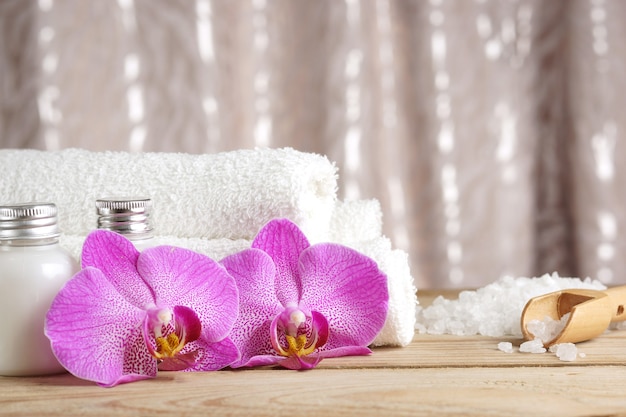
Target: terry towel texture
{"x": 215, "y": 204}
{"x": 224, "y": 195}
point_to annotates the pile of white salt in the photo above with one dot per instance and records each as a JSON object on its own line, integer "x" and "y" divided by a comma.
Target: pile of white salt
{"x": 495, "y": 310}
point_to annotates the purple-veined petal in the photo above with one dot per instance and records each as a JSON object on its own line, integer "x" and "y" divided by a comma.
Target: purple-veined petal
{"x": 320, "y": 324}
{"x": 187, "y": 323}
{"x": 96, "y": 333}
{"x": 182, "y": 277}
{"x": 301, "y": 363}
{"x": 348, "y": 289}
{"x": 283, "y": 241}
{"x": 264, "y": 360}
{"x": 212, "y": 356}
{"x": 254, "y": 272}
{"x": 345, "y": 351}
{"x": 116, "y": 257}
{"x": 275, "y": 336}
{"x": 180, "y": 362}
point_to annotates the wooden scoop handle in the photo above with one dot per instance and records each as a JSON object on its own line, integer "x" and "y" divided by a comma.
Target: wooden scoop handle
{"x": 618, "y": 300}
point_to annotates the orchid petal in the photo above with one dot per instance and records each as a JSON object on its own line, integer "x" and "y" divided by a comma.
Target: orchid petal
{"x": 301, "y": 363}
{"x": 320, "y": 324}
{"x": 283, "y": 241}
{"x": 183, "y": 277}
{"x": 274, "y": 335}
{"x": 96, "y": 333}
{"x": 180, "y": 362}
{"x": 346, "y": 351}
{"x": 188, "y": 323}
{"x": 348, "y": 289}
{"x": 212, "y": 356}
{"x": 264, "y": 360}
{"x": 116, "y": 257}
{"x": 254, "y": 272}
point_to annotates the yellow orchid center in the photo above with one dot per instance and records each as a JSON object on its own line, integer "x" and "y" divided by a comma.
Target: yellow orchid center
{"x": 169, "y": 346}
{"x": 297, "y": 346}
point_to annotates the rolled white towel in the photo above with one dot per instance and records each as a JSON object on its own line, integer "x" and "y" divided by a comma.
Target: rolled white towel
{"x": 356, "y": 221}
{"x": 399, "y": 327}
{"x": 214, "y": 204}
{"x": 353, "y": 221}
{"x": 213, "y": 248}
{"x": 225, "y": 195}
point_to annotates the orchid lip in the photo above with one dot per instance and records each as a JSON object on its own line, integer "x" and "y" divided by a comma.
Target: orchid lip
{"x": 167, "y": 332}
{"x": 295, "y": 333}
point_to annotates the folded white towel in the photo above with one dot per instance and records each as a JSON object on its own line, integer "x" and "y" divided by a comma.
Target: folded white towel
{"x": 213, "y": 248}
{"x": 225, "y": 195}
{"x": 355, "y": 221}
{"x": 357, "y": 224}
{"x": 214, "y": 204}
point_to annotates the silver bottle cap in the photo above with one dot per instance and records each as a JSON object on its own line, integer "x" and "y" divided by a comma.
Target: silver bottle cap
{"x": 28, "y": 221}
{"x": 129, "y": 216}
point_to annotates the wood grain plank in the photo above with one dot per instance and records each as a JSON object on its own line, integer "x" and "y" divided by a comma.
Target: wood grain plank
{"x": 439, "y": 351}
{"x": 435, "y": 375}
{"x": 561, "y": 391}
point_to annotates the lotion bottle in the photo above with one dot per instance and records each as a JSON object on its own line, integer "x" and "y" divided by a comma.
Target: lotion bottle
{"x": 33, "y": 268}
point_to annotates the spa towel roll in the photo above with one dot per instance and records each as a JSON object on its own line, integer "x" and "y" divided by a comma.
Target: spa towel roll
{"x": 216, "y": 249}
{"x": 224, "y": 195}
{"x": 356, "y": 224}
{"x": 215, "y": 205}
{"x": 355, "y": 221}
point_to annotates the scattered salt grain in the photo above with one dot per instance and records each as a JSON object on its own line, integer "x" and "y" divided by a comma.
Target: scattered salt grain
{"x": 532, "y": 346}
{"x": 493, "y": 310}
{"x": 506, "y": 347}
{"x": 565, "y": 351}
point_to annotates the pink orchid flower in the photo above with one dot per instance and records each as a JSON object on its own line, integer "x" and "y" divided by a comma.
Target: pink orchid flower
{"x": 301, "y": 303}
{"x": 127, "y": 314}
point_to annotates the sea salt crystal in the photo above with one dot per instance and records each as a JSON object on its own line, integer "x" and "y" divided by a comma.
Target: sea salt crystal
{"x": 493, "y": 310}
{"x": 532, "y": 346}
{"x": 506, "y": 347}
{"x": 548, "y": 328}
{"x": 565, "y": 351}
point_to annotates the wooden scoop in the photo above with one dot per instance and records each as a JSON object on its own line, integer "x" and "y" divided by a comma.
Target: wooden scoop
{"x": 591, "y": 312}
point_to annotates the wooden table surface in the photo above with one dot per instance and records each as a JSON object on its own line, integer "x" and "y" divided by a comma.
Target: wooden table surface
{"x": 435, "y": 375}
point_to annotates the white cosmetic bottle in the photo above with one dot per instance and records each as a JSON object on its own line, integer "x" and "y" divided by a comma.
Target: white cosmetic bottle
{"x": 33, "y": 268}
{"x": 128, "y": 216}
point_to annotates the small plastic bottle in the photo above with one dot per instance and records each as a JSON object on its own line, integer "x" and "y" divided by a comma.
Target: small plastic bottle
{"x": 33, "y": 268}
{"x": 128, "y": 216}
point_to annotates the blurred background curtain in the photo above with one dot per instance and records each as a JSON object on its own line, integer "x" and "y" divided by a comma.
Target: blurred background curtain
{"x": 490, "y": 130}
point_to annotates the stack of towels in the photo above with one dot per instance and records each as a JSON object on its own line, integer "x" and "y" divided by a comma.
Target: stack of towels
{"x": 215, "y": 204}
